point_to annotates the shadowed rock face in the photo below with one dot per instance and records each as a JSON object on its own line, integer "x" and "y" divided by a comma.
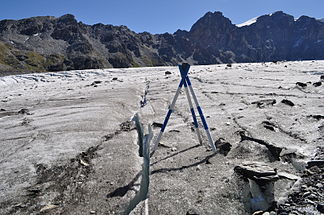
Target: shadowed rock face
{"x": 52, "y": 44}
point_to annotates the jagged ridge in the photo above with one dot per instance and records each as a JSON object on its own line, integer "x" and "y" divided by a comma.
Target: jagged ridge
{"x": 53, "y": 44}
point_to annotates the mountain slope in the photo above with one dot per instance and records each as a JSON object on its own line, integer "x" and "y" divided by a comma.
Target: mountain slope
{"x": 53, "y": 44}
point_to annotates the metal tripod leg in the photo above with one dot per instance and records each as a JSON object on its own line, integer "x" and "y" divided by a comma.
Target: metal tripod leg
{"x": 210, "y": 139}
{"x": 192, "y": 112}
{"x": 171, "y": 109}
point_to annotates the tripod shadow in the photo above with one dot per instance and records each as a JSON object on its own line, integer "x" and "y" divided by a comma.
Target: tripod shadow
{"x": 164, "y": 170}
{"x": 175, "y": 154}
{"x": 121, "y": 191}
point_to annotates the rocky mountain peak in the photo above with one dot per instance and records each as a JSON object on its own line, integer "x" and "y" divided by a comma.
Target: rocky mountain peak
{"x": 55, "y": 44}
{"x": 67, "y": 19}
{"x": 213, "y": 21}
{"x": 214, "y": 28}
{"x": 306, "y": 20}
{"x": 278, "y": 14}
{"x": 281, "y": 16}
{"x": 276, "y": 19}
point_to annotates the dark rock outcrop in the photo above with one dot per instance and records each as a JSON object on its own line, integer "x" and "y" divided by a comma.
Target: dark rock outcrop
{"x": 52, "y": 44}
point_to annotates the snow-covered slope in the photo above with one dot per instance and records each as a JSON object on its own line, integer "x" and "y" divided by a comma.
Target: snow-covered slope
{"x": 247, "y": 23}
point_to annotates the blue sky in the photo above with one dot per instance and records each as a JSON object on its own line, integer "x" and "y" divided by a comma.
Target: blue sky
{"x": 156, "y": 16}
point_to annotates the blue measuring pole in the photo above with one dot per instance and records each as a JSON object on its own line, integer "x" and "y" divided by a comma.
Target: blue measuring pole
{"x": 184, "y": 73}
{"x": 202, "y": 117}
{"x": 171, "y": 109}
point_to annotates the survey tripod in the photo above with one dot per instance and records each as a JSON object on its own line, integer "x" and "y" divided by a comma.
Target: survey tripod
{"x": 185, "y": 81}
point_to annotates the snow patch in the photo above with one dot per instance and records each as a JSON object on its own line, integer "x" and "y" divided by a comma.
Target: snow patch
{"x": 321, "y": 20}
{"x": 247, "y": 23}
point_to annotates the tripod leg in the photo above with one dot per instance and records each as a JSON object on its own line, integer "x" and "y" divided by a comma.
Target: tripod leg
{"x": 210, "y": 139}
{"x": 171, "y": 109}
{"x": 192, "y": 112}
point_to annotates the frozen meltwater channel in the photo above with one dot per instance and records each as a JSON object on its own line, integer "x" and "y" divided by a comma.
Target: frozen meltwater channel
{"x": 67, "y": 145}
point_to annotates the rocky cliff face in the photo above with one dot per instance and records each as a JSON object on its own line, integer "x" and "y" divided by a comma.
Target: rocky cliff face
{"x": 54, "y": 44}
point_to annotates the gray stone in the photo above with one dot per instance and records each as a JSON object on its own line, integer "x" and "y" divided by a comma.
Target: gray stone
{"x": 255, "y": 169}
{"x": 320, "y": 208}
{"x": 287, "y": 102}
{"x": 288, "y": 176}
{"x": 223, "y": 147}
{"x": 312, "y": 163}
{"x": 192, "y": 211}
